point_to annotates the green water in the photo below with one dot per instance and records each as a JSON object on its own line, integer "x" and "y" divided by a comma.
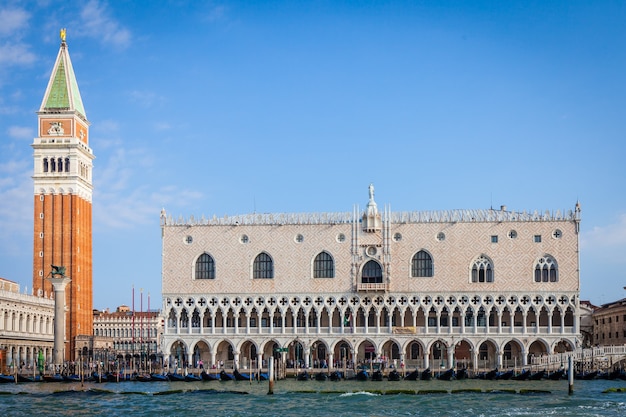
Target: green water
{"x": 308, "y": 398}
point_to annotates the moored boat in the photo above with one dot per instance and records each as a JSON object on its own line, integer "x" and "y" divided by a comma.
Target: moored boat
{"x": 28, "y": 378}
{"x": 504, "y": 376}
{"x": 321, "y": 376}
{"x": 192, "y": 378}
{"x": 555, "y": 376}
{"x": 7, "y": 379}
{"x": 226, "y": 377}
{"x": 303, "y": 376}
{"x": 412, "y": 376}
{"x": 393, "y": 375}
{"x": 377, "y": 375}
{"x": 335, "y": 376}
{"x": 522, "y": 376}
{"x": 53, "y": 378}
{"x": 462, "y": 374}
{"x": 447, "y": 375}
{"x": 209, "y": 377}
{"x": 537, "y": 375}
{"x": 239, "y": 376}
{"x": 175, "y": 377}
{"x": 426, "y": 375}
{"x": 362, "y": 375}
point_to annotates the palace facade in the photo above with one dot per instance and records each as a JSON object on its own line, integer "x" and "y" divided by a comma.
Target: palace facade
{"x": 474, "y": 288}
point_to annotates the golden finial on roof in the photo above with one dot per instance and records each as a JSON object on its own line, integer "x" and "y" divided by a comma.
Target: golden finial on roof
{"x": 62, "y": 34}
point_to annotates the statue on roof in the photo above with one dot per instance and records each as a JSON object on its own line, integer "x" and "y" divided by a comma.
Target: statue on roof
{"x": 371, "y": 190}
{"x": 62, "y": 34}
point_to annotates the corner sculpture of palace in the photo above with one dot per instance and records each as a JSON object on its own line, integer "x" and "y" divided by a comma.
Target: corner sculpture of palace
{"x": 472, "y": 288}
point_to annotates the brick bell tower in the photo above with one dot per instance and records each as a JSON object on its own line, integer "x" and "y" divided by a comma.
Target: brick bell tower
{"x": 63, "y": 189}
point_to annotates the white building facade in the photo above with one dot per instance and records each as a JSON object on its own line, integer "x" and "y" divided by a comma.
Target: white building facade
{"x": 474, "y": 288}
{"x": 26, "y": 328}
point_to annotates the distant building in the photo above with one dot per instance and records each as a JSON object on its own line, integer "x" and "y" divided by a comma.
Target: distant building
{"x": 135, "y": 337}
{"x": 586, "y": 323}
{"x": 26, "y": 327}
{"x": 63, "y": 187}
{"x": 483, "y": 288}
{"x": 610, "y": 323}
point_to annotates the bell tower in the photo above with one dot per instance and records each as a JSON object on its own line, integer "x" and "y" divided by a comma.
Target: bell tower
{"x": 63, "y": 163}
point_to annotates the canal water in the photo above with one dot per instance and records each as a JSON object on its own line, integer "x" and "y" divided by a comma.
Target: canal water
{"x": 308, "y": 398}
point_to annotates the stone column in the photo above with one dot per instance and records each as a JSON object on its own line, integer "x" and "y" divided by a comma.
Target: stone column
{"x": 58, "y": 285}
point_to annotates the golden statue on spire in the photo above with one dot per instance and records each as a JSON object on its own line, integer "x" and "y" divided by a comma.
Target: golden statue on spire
{"x": 62, "y": 34}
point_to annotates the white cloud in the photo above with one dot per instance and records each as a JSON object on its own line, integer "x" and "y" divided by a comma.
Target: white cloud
{"x": 20, "y": 132}
{"x": 600, "y": 237}
{"x": 605, "y": 245}
{"x": 122, "y": 199}
{"x": 16, "y": 54}
{"x": 16, "y": 210}
{"x": 12, "y": 20}
{"x": 99, "y": 24}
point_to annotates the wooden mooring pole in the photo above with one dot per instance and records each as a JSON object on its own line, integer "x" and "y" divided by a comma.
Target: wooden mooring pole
{"x": 271, "y": 376}
{"x": 570, "y": 375}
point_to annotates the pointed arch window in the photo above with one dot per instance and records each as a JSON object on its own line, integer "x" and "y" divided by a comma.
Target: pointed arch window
{"x": 205, "y": 267}
{"x": 263, "y": 267}
{"x": 482, "y": 270}
{"x": 323, "y": 266}
{"x": 372, "y": 273}
{"x": 422, "y": 265}
{"x": 546, "y": 269}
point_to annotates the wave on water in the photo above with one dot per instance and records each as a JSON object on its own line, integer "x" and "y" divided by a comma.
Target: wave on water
{"x": 366, "y": 393}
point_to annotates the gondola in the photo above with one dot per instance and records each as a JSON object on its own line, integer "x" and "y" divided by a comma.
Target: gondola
{"x": 412, "y": 376}
{"x": 426, "y": 375}
{"x": 144, "y": 378}
{"x": 303, "y": 376}
{"x": 25, "y": 378}
{"x": 462, "y": 374}
{"x": 522, "y": 376}
{"x": 321, "y": 376}
{"x": 377, "y": 376}
{"x": 393, "y": 375}
{"x": 447, "y": 375}
{"x": 504, "y": 376}
{"x": 7, "y": 379}
{"x": 53, "y": 378}
{"x": 175, "y": 377}
{"x": 335, "y": 376}
{"x": 617, "y": 374}
{"x": 159, "y": 377}
{"x": 555, "y": 376}
{"x": 263, "y": 376}
{"x": 192, "y": 378}
{"x": 586, "y": 376}
{"x": 362, "y": 375}
{"x": 226, "y": 377}
{"x": 241, "y": 376}
{"x": 537, "y": 375}
{"x": 71, "y": 378}
{"x": 491, "y": 375}
{"x": 209, "y": 377}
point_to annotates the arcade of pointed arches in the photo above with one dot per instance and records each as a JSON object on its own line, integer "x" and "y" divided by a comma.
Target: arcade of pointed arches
{"x": 411, "y": 353}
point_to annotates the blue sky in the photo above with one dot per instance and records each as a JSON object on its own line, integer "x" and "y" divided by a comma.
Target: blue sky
{"x": 219, "y": 107}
